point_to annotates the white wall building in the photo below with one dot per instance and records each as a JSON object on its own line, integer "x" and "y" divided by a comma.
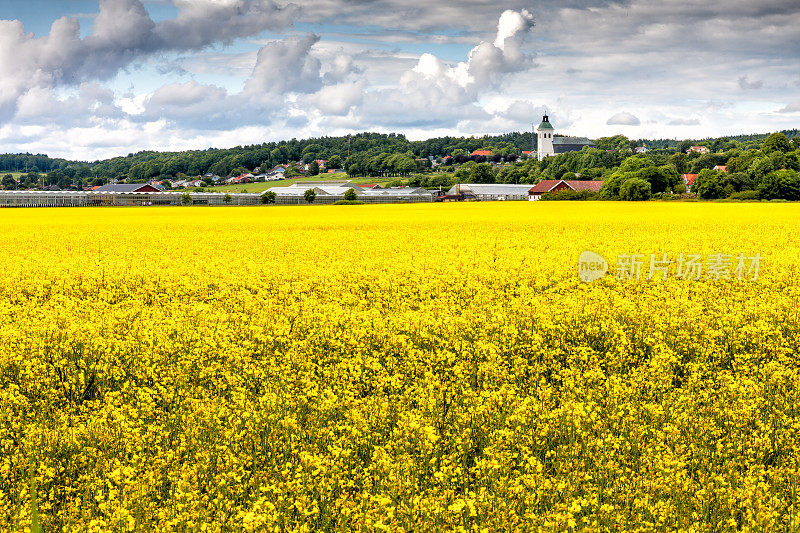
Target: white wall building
{"x": 544, "y": 139}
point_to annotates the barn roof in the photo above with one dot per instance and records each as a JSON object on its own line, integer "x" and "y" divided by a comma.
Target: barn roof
{"x": 576, "y": 185}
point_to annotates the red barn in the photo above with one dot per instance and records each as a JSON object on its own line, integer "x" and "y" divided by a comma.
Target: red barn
{"x": 546, "y": 186}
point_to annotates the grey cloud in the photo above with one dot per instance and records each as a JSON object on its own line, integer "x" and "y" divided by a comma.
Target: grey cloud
{"x": 283, "y": 69}
{"x": 286, "y": 66}
{"x": 747, "y": 85}
{"x": 623, "y": 118}
{"x": 123, "y": 33}
{"x": 794, "y": 107}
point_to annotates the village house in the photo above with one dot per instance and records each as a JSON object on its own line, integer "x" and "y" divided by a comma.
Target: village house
{"x": 688, "y": 180}
{"x": 547, "y": 186}
{"x": 698, "y": 150}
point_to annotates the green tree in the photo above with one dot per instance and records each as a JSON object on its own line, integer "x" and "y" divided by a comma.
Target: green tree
{"x": 482, "y": 173}
{"x": 186, "y": 199}
{"x": 310, "y": 196}
{"x": 350, "y": 195}
{"x": 777, "y": 142}
{"x": 227, "y": 198}
{"x": 780, "y": 184}
{"x": 313, "y": 168}
{"x": 661, "y": 179}
{"x": 709, "y": 185}
{"x": 335, "y": 162}
{"x": 635, "y": 189}
{"x": 269, "y": 197}
{"x": 679, "y": 162}
{"x": 9, "y": 183}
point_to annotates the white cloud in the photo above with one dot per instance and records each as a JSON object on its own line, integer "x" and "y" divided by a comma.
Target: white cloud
{"x": 337, "y": 99}
{"x": 684, "y": 122}
{"x": 623, "y": 118}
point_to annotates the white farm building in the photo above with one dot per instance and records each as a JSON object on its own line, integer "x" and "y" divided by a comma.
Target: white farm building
{"x": 491, "y": 191}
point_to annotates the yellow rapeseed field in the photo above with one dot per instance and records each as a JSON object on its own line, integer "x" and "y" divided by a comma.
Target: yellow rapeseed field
{"x": 397, "y": 368}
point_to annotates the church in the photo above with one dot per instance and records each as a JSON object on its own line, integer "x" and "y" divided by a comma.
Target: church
{"x": 550, "y": 144}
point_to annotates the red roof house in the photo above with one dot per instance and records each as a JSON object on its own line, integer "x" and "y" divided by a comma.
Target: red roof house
{"x": 545, "y": 186}
{"x": 722, "y": 168}
{"x": 688, "y": 180}
{"x": 485, "y": 153}
{"x": 699, "y": 149}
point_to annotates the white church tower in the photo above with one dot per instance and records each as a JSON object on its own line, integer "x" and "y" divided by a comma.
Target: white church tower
{"x": 544, "y": 139}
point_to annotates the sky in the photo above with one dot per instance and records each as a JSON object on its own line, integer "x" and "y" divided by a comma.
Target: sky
{"x": 89, "y": 79}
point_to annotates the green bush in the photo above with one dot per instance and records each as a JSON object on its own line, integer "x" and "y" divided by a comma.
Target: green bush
{"x": 745, "y": 195}
{"x": 348, "y": 202}
{"x": 569, "y": 194}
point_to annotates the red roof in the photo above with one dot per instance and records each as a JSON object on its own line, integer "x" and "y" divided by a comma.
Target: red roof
{"x": 487, "y": 153}
{"x": 723, "y": 168}
{"x": 527, "y": 152}
{"x": 543, "y": 186}
{"x": 688, "y": 179}
{"x": 576, "y": 185}
{"x": 369, "y": 185}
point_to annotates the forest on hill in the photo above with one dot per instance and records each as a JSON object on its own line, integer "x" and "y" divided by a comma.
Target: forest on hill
{"x": 388, "y": 155}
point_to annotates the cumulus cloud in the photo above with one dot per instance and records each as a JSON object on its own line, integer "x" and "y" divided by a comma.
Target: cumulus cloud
{"x": 338, "y": 99}
{"x": 623, "y": 118}
{"x": 286, "y": 66}
{"x": 437, "y": 94}
{"x": 122, "y": 33}
{"x": 486, "y": 63}
{"x": 91, "y": 104}
{"x": 286, "y": 83}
